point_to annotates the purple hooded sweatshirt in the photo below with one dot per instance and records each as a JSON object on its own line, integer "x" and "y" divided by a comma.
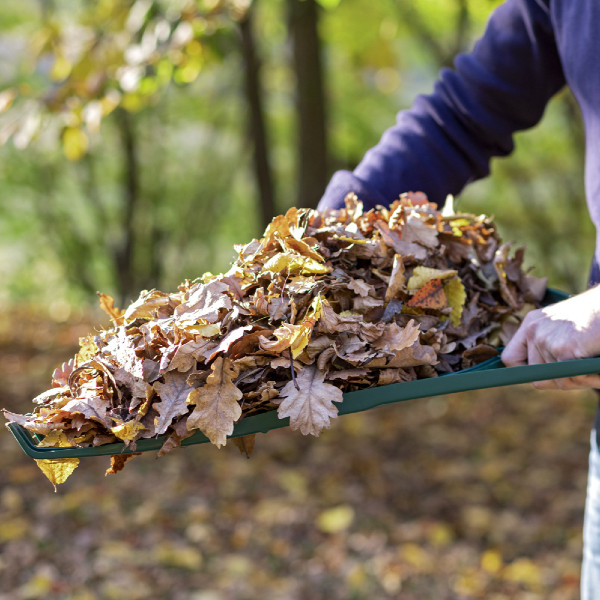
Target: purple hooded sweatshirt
{"x": 529, "y": 51}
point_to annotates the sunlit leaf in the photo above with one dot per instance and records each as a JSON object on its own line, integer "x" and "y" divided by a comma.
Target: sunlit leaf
{"x": 421, "y": 275}
{"x": 295, "y": 264}
{"x": 456, "y": 296}
{"x": 75, "y": 143}
{"x": 128, "y": 431}
{"x": 57, "y": 470}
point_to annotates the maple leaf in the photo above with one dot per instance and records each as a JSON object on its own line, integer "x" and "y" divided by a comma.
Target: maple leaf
{"x": 216, "y": 403}
{"x": 311, "y": 407}
{"x": 173, "y": 399}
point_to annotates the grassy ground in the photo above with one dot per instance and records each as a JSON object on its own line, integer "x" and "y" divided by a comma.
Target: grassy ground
{"x": 476, "y": 495}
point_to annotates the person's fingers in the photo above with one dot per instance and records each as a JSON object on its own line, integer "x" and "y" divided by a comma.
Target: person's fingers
{"x": 515, "y": 352}
{"x": 548, "y": 384}
{"x": 537, "y": 356}
{"x": 579, "y": 382}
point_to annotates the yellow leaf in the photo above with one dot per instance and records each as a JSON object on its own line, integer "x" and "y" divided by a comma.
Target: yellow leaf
{"x": 57, "y": 470}
{"x": 127, "y": 431}
{"x": 87, "y": 349}
{"x": 55, "y": 439}
{"x": 456, "y": 224}
{"x": 344, "y": 238}
{"x": 14, "y": 528}
{"x": 61, "y": 68}
{"x": 421, "y": 275}
{"x": 75, "y": 143}
{"x": 456, "y": 296}
{"x": 491, "y": 561}
{"x": 204, "y": 330}
{"x": 295, "y": 265}
{"x": 179, "y": 556}
{"x": 336, "y": 519}
{"x": 295, "y": 337}
{"x": 523, "y": 571}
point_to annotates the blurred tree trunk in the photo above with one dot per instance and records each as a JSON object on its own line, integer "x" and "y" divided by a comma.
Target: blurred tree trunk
{"x": 312, "y": 171}
{"x": 124, "y": 259}
{"x": 416, "y": 19}
{"x": 256, "y": 120}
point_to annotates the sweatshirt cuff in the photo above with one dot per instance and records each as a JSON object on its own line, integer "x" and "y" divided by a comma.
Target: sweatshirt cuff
{"x": 344, "y": 182}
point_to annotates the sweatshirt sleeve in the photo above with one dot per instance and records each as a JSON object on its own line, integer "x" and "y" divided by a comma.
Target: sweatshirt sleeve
{"x": 448, "y": 137}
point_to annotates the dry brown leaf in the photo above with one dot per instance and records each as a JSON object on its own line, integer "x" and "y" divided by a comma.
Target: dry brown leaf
{"x": 311, "y": 407}
{"x": 118, "y": 462}
{"x": 352, "y": 297}
{"x": 173, "y": 395}
{"x": 216, "y": 404}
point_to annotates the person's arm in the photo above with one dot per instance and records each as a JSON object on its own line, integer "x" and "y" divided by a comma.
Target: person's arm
{"x": 448, "y": 138}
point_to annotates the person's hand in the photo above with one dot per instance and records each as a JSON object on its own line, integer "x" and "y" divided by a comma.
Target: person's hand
{"x": 563, "y": 331}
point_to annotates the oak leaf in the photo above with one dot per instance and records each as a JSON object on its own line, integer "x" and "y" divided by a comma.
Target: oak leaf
{"x": 173, "y": 399}
{"x": 216, "y": 404}
{"x": 107, "y": 304}
{"x": 311, "y": 407}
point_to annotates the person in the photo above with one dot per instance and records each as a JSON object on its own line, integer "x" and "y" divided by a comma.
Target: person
{"x": 529, "y": 51}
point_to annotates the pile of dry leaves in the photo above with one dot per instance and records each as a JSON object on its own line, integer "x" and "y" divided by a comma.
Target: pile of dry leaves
{"x": 325, "y": 303}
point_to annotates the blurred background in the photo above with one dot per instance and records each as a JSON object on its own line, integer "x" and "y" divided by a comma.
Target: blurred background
{"x": 140, "y": 140}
